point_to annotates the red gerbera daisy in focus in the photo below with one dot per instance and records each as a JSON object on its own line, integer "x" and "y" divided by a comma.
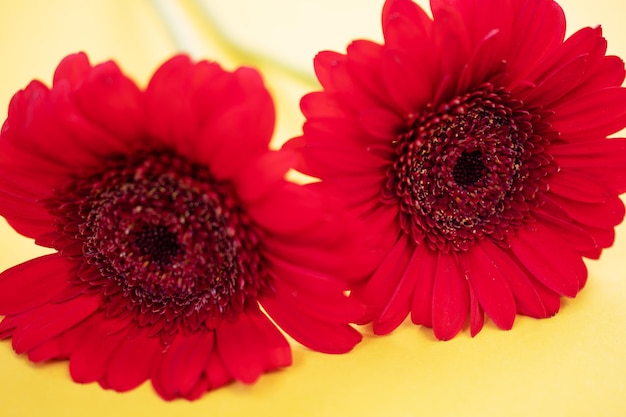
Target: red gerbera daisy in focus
{"x": 173, "y": 225}
{"x": 474, "y": 147}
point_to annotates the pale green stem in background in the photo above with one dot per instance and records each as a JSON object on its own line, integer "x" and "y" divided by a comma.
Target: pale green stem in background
{"x": 186, "y": 39}
{"x": 181, "y": 31}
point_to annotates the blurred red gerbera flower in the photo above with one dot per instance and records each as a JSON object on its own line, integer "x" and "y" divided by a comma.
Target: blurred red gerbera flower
{"x": 173, "y": 225}
{"x": 474, "y": 147}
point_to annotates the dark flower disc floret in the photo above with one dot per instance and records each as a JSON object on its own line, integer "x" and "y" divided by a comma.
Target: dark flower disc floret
{"x": 163, "y": 233}
{"x": 470, "y": 168}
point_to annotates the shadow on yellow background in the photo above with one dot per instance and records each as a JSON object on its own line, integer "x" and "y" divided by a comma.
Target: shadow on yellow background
{"x": 570, "y": 365}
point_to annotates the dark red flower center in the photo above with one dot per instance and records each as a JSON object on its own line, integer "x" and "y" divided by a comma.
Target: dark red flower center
{"x": 468, "y": 169}
{"x": 164, "y": 240}
{"x": 156, "y": 243}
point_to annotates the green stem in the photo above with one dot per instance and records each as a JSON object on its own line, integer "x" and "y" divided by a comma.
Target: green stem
{"x": 185, "y": 39}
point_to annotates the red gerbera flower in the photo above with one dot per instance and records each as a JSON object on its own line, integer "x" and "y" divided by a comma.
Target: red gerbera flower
{"x": 173, "y": 225}
{"x": 474, "y": 147}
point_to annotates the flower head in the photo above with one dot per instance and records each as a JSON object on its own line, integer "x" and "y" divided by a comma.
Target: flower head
{"x": 173, "y": 226}
{"x": 473, "y": 146}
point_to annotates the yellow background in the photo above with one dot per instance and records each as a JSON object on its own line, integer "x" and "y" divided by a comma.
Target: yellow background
{"x": 570, "y": 365}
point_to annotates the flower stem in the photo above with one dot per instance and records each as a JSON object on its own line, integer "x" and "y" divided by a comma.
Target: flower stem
{"x": 185, "y": 38}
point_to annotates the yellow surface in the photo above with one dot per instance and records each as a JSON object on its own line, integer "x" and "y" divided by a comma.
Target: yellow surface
{"x": 570, "y": 365}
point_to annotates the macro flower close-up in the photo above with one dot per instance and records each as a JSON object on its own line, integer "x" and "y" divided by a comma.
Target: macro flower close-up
{"x": 179, "y": 246}
{"x": 473, "y": 144}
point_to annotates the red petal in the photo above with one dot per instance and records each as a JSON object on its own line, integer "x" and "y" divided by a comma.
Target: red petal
{"x": 46, "y": 351}
{"x": 320, "y": 105}
{"x": 201, "y": 387}
{"x": 31, "y": 228}
{"x": 278, "y": 351}
{"x": 538, "y": 30}
{"x": 321, "y": 303}
{"x": 90, "y": 359}
{"x": 379, "y": 232}
{"x": 73, "y": 69}
{"x": 557, "y": 84}
{"x": 316, "y": 334}
{"x": 609, "y": 153}
{"x": 33, "y": 283}
{"x": 381, "y": 285}
{"x": 587, "y": 41}
{"x": 575, "y": 185}
{"x": 603, "y": 160}
{"x": 363, "y": 61}
{"x": 382, "y": 124}
{"x": 450, "y": 298}
{"x": 94, "y": 134}
{"x": 216, "y": 373}
{"x": 334, "y": 74}
{"x": 323, "y": 63}
{"x": 170, "y": 116}
{"x": 450, "y": 35}
{"x": 485, "y": 62}
{"x": 263, "y": 174}
{"x": 10, "y": 323}
{"x": 167, "y": 393}
{"x": 405, "y": 23}
{"x": 603, "y": 215}
{"x": 192, "y": 358}
{"x": 580, "y": 56}
{"x": 34, "y": 119}
{"x": 604, "y": 237}
{"x": 422, "y": 304}
{"x": 329, "y": 150}
{"x": 306, "y": 278}
{"x": 602, "y": 112}
{"x": 477, "y": 315}
{"x": 522, "y": 286}
{"x": 489, "y": 285}
{"x": 290, "y": 209}
{"x": 62, "y": 346}
{"x": 182, "y": 365}
{"x": 212, "y": 90}
{"x": 70, "y": 339}
{"x": 227, "y": 142}
{"x": 581, "y": 239}
{"x": 399, "y": 304}
{"x": 610, "y": 73}
{"x": 550, "y": 299}
{"x": 112, "y": 101}
{"x": 132, "y": 362}
{"x": 337, "y": 132}
{"x": 313, "y": 257}
{"x": 410, "y": 58}
{"x": 482, "y": 18}
{"x": 25, "y": 174}
{"x": 242, "y": 348}
{"x": 549, "y": 258}
{"x": 52, "y": 320}
{"x": 362, "y": 190}
{"x": 408, "y": 78}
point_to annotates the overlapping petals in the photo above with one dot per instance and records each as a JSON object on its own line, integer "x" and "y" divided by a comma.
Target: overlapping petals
{"x": 196, "y": 115}
{"x": 444, "y": 103}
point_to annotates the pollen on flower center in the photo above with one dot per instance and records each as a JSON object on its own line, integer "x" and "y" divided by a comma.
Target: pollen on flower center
{"x": 462, "y": 169}
{"x": 169, "y": 243}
